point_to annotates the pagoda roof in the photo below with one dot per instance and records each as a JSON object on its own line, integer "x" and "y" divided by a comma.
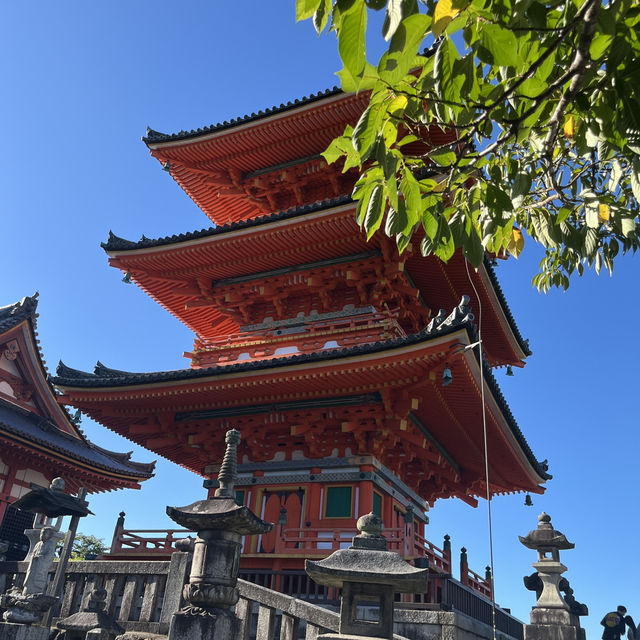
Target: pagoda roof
{"x": 33, "y": 421}
{"x": 155, "y": 137}
{"x": 158, "y": 272}
{"x": 192, "y": 386}
{"x": 271, "y": 159}
{"x": 28, "y": 428}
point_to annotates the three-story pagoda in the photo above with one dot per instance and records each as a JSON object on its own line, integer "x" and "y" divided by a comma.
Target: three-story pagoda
{"x": 326, "y": 351}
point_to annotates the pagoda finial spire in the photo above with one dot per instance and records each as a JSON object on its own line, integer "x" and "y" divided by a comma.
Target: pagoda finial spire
{"x": 229, "y": 468}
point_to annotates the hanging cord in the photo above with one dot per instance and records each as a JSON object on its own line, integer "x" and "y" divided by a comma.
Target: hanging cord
{"x": 486, "y": 453}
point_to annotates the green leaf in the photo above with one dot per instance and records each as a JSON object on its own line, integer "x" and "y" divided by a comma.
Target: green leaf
{"x": 497, "y": 200}
{"x": 366, "y": 131}
{"x": 351, "y": 40}
{"x": 473, "y": 249}
{"x": 635, "y": 178}
{"x": 306, "y": 8}
{"x": 628, "y": 225}
{"x": 501, "y": 43}
{"x": 398, "y": 60}
{"x": 321, "y": 16}
{"x": 430, "y": 224}
{"x": 448, "y": 78}
{"x": 446, "y": 246}
{"x": 375, "y": 209}
{"x": 392, "y": 19}
{"x": 365, "y": 81}
{"x": 443, "y": 158}
{"x": 411, "y": 190}
{"x": 600, "y": 43}
{"x": 591, "y": 214}
{"x": 396, "y": 219}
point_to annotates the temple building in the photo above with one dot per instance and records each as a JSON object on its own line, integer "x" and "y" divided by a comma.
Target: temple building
{"x": 38, "y": 439}
{"x": 350, "y": 369}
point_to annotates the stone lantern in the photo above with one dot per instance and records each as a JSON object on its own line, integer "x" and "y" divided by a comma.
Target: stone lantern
{"x": 220, "y": 523}
{"x": 30, "y": 604}
{"x": 369, "y": 575}
{"x": 551, "y": 618}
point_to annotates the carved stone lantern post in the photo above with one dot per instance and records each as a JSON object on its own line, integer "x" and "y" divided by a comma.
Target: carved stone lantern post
{"x": 369, "y": 575}
{"x": 551, "y": 618}
{"x": 220, "y": 523}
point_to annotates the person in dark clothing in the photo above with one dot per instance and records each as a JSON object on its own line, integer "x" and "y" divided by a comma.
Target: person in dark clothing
{"x": 628, "y": 620}
{"x": 614, "y": 624}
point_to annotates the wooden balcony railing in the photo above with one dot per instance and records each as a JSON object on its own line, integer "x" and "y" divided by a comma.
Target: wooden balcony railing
{"x": 305, "y": 542}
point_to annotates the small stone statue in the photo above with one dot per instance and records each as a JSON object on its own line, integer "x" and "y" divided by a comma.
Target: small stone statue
{"x": 38, "y": 570}
{"x": 28, "y": 605}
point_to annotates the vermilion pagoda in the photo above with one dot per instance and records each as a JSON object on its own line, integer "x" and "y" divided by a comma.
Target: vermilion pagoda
{"x": 326, "y": 351}
{"x": 38, "y": 439}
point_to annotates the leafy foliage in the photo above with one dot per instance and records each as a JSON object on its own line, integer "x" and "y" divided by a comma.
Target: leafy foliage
{"x": 537, "y": 114}
{"x": 87, "y": 545}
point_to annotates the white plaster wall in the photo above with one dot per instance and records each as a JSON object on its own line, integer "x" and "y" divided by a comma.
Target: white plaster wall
{"x": 6, "y": 388}
{"x": 26, "y": 476}
{"x": 10, "y": 366}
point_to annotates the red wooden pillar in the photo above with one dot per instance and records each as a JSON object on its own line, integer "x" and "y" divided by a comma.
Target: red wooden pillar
{"x": 366, "y": 494}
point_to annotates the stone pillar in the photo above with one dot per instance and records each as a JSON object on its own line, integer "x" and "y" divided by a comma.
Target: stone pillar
{"x": 551, "y": 618}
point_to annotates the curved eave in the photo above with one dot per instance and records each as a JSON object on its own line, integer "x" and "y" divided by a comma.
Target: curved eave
{"x": 171, "y": 391}
{"x": 496, "y": 289}
{"x": 75, "y": 469}
{"x": 155, "y": 139}
{"x": 33, "y": 433}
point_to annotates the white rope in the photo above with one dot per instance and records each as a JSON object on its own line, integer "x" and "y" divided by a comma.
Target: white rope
{"x": 486, "y": 453}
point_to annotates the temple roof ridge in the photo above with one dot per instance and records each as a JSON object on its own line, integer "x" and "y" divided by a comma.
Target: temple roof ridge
{"x": 106, "y": 372}
{"x": 118, "y": 241}
{"x": 153, "y": 137}
{"x": 115, "y": 243}
{"x": 13, "y": 314}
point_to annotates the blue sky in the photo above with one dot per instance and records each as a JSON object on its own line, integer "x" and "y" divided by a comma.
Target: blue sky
{"x": 80, "y": 83}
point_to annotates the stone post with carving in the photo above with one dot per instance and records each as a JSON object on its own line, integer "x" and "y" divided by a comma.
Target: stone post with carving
{"x": 220, "y": 522}
{"x": 551, "y": 618}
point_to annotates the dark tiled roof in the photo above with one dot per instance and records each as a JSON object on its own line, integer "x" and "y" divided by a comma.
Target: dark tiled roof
{"x": 114, "y": 243}
{"x": 33, "y": 427}
{"x": 36, "y": 429}
{"x": 460, "y": 318}
{"x": 13, "y": 314}
{"x": 524, "y": 344}
{"x": 153, "y": 137}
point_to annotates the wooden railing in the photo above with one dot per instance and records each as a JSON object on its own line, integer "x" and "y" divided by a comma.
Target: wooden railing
{"x": 148, "y": 541}
{"x": 305, "y": 542}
